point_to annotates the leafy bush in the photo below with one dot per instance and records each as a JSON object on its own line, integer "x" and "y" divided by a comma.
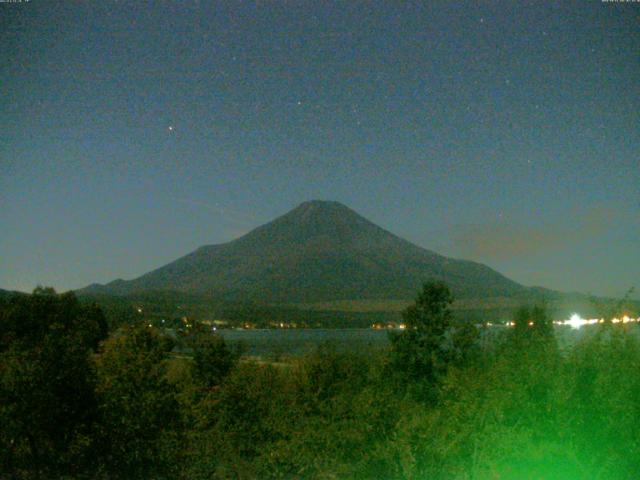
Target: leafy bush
{"x": 48, "y": 407}
{"x": 505, "y": 405}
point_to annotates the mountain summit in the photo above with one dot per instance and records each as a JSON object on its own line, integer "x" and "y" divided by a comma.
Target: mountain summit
{"x": 319, "y": 251}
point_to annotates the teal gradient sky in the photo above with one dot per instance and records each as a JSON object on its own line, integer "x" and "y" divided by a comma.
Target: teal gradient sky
{"x": 502, "y": 132}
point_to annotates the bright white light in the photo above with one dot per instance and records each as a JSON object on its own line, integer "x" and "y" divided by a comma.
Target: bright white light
{"x": 575, "y": 321}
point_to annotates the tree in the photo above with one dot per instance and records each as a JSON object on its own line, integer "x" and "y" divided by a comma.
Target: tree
{"x": 212, "y": 359}
{"x": 47, "y": 401}
{"x": 140, "y": 419}
{"x": 428, "y": 343}
{"x": 533, "y": 325}
{"x": 521, "y": 319}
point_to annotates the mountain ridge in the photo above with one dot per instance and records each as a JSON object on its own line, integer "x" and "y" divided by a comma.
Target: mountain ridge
{"x": 319, "y": 251}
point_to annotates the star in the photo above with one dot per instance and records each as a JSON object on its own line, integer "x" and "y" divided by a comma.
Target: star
{"x": 170, "y": 128}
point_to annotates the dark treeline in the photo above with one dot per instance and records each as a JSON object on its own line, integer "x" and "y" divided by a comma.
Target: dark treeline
{"x": 80, "y": 398}
{"x": 173, "y": 306}
{"x": 168, "y": 305}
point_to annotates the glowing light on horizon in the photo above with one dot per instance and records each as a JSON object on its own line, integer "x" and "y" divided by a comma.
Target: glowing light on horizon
{"x": 575, "y": 321}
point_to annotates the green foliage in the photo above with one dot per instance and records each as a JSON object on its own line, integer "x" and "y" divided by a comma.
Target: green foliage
{"x": 47, "y": 400}
{"x": 608, "y": 309}
{"x": 429, "y": 343}
{"x": 139, "y": 414}
{"x": 533, "y": 324}
{"x": 212, "y": 359}
{"x": 237, "y": 422}
{"x": 509, "y": 405}
{"x": 602, "y": 396}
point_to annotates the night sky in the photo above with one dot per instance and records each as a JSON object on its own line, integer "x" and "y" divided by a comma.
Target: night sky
{"x": 505, "y": 132}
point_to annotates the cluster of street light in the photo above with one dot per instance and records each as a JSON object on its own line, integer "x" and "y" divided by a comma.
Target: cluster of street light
{"x": 576, "y": 321}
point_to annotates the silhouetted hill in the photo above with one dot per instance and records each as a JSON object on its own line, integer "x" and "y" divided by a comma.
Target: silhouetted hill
{"x": 9, "y": 293}
{"x": 320, "y": 251}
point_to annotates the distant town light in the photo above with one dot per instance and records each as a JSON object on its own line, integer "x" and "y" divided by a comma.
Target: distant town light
{"x": 575, "y": 321}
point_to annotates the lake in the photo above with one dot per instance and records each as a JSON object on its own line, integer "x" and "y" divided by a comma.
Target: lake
{"x": 264, "y": 342}
{"x": 304, "y": 340}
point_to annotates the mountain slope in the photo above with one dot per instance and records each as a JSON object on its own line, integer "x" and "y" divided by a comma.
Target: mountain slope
{"x": 319, "y": 251}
